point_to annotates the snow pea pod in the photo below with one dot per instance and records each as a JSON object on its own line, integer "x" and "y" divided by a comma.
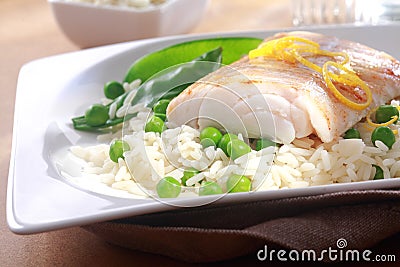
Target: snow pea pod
{"x": 172, "y": 81}
{"x": 164, "y": 85}
{"x": 148, "y": 65}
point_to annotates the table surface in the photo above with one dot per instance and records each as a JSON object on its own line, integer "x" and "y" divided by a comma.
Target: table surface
{"x": 27, "y": 32}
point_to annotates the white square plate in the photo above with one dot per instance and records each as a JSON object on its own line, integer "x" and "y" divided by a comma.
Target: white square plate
{"x": 53, "y": 90}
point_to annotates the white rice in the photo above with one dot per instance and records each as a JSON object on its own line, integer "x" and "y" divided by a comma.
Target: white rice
{"x": 300, "y": 164}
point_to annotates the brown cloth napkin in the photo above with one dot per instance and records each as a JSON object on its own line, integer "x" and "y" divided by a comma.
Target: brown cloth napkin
{"x": 361, "y": 219}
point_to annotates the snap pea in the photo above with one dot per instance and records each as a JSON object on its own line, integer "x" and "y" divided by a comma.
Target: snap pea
{"x": 172, "y": 81}
{"x": 234, "y": 48}
{"x": 164, "y": 85}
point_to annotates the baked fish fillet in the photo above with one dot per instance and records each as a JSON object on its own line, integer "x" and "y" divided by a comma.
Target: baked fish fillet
{"x": 267, "y": 97}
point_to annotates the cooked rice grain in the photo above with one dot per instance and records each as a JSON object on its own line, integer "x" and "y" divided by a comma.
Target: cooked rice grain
{"x": 300, "y": 164}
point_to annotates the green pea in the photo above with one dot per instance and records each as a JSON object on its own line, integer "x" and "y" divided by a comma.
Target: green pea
{"x": 168, "y": 187}
{"x": 385, "y": 113}
{"x": 237, "y": 148}
{"x": 209, "y": 188}
{"x": 225, "y": 139}
{"x": 238, "y": 183}
{"x": 161, "y": 116}
{"x": 187, "y": 174}
{"x": 206, "y": 142}
{"x": 210, "y": 133}
{"x": 378, "y": 173}
{"x": 154, "y": 124}
{"x": 352, "y": 133}
{"x": 161, "y": 106}
{"x": 113, "y": 89}
{"x": 263, "y": 143}
{"x": 96, "y": 115}
{"x": 117, "y": 149}
{"x": 384, "y": 134}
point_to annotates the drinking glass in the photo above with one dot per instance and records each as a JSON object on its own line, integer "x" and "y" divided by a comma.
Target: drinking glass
{"x": 315, "y": 12}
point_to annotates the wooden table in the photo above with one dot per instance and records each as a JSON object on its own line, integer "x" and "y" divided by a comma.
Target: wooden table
{"x": 27, "y": 32}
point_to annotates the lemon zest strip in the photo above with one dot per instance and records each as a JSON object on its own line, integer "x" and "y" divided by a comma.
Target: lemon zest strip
{"x": 292, "y": 49}
{"x": 327, "y": 75}
{"x": 389, "y": 122}
{"x": 373, "y": 124}
{"x": 370, "y": 126}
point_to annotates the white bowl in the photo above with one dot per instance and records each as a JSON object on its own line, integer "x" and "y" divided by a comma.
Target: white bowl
{"x": 89, "y": 25}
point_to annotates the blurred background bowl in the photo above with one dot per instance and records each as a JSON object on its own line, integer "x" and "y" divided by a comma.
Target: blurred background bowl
{"x": 88, "y": 24}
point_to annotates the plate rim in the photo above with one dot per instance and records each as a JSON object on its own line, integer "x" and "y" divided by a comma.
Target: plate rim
{"x": 24, "y": 226}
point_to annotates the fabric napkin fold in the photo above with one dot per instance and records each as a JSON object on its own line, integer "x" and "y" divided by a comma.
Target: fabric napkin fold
{"x": 352, "y": 220}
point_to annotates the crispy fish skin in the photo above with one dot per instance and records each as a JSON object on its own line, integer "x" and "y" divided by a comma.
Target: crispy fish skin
{"x": 286, "y": 100}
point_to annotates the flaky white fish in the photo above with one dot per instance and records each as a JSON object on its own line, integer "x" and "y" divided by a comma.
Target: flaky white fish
{"x": 268, "y": 97}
